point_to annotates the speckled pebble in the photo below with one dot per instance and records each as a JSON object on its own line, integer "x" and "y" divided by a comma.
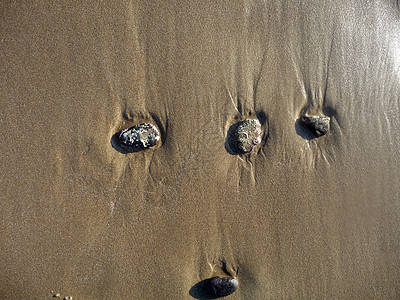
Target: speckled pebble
{"x": 319, "y": 126}
{"x": 217, "y": 287}
{"x": 247, "y": 135}
{"x": 138, "y": 137}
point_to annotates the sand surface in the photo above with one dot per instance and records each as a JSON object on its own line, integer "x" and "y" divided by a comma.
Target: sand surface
{"x": 298, "y": 218}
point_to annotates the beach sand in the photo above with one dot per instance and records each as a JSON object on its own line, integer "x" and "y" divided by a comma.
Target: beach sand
{"x": 297, "y": 218}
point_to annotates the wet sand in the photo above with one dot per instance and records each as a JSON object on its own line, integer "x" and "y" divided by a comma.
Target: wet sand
{"x": 297, "y": 218}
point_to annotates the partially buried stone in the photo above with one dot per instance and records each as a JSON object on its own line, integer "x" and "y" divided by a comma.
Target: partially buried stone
{"x": 138, "y": 137}
{"x": 319, "y": 126}
{"x": 247, "y": 135}
{"x": 221, "y": 286}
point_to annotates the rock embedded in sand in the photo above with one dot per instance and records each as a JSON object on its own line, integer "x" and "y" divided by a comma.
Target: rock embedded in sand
{"x": 138, "y": 137}
{"x": 217, "y": 287}
{"x": 247, "y": 135}
{"x": 319, "y": 126}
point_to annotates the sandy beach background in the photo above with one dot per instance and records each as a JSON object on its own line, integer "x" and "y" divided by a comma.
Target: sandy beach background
{"x": 299, "y": 218}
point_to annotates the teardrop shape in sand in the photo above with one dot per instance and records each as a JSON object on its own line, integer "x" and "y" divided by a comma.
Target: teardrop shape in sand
{"x": 139, "y": 137}
{"x": 318, "y": 125}
{"x": 217, "y": 287}
{"x": 247, "y": 135}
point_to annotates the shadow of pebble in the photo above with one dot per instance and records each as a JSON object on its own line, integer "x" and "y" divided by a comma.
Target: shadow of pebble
{"x": 230, "y": 143}
{"x": 303, "y": 131}
{"x": 198, "y": 291}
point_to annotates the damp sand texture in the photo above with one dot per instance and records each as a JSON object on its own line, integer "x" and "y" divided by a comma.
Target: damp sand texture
{"x": 297, "y": 218}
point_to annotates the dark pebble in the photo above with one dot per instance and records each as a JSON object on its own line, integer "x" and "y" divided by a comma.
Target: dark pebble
{"x": 247, "y": 135}
{"x": 319, "y": 126}
{"x": 141, "y": 136}
{"x": 221, "y": 286}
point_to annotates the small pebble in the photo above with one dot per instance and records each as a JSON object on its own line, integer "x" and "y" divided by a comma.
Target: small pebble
{"x": 247, "y": 135}
{"x": 138, "y": 137}
{"x": 319, "y": 126}
{"x": 221, "y": 286}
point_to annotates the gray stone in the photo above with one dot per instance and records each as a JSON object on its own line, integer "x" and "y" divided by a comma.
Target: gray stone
{"x": 247, "y": 135}
{"x": 221, "y": 286}
{"x": 319, "y": 126}
{"x": 138, "y": 137}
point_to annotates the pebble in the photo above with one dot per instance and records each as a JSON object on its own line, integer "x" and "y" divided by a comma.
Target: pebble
{"x": 247, "y": 135}
{"x": 319, "y": 126}
{"x": 138, "y": 137}
{"x": 217, "y": 287}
